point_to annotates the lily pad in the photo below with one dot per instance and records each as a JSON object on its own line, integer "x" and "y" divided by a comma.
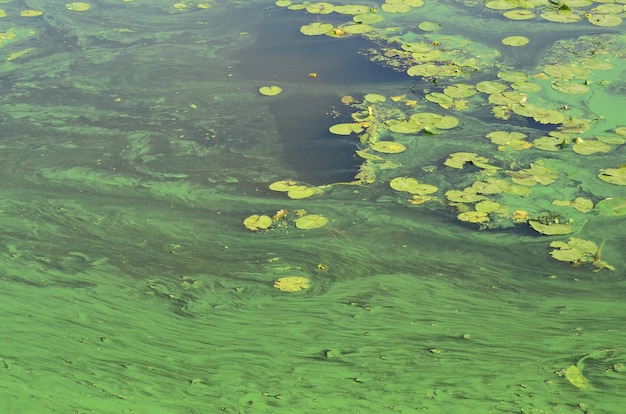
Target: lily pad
{"x": 474, "y": 216}
{"x": 429, "y": 26}
{"x": 388, "y": 147}
{"x": 270, "y": 90}
{"x": 78, "y": 6}
{"x": 292, "y": 283}
{"x": 519, "y": 14}
{"x": 468, "y": 195}
{"x": 374, "y": 98}
{"x": 571, "y": 88}
{"x": 346, "y": 129}
{"x": 283, "y": 185}
{"x": 298, "y": 192}
{"x": 412, "y": 186}
{"x": 356, "y": 9}
{"x": 406, "y": 127}
{"x": 561, "y": 16}
{"x": 605, "y": 20}
{"x": 320, "y": 8}
{"x": 316, "y": 28}
{"x": 460, "y": 90}
{"x": 487, "y": 206}
{"x": 258, "y": 222}
{"x": 614, "y": 175}
{"x": 395, "y": 8}
{"x": 515, "y": 41}
{"x": 584, "y": 205}
{"x": 551, "y": 229}
{"x": 311, "y": 221}
{"x": 587, "y": 147}
{"x": 459, "y": 159}
{"x": 491, "y": 87}
{"x": 611, "y": 207}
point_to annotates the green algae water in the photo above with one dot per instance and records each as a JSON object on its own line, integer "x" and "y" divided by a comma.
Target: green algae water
{"x": 259, "y": 207}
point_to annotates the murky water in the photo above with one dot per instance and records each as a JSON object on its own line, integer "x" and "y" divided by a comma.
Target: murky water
{"x": 136, "y": 144}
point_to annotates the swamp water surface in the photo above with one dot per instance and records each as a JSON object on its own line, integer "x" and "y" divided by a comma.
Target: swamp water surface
{"x": 424, "y": 219}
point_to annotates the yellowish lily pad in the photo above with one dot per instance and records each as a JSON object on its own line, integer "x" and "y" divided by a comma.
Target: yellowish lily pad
{"x": 258, "y": 222}
{"x": 292, "y": 283}
{"x": 270, "y": 90}
{"x": 311, "y": 221}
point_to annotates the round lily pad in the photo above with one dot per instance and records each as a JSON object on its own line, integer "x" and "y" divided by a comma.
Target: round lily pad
{"x": 78, "y": 6}
{"x": 429, "y": 26}
{"x": 298, "y": 192}
{"x": 345, "y": 129}
{"x": 572, "y": 88}
{"x": 256, "y": 222}
{"x": 388, "y": 147}
{"x": 487, "y": 206}
{"x": 320, "y": 8}
{"x": 611, "y": 207}
{"x": 283, "y": 185}
{"x": 605, "y": 20}
{"x": 502, "y": 4}
{"x": 464, "y": 196}
{"x": 515, "y": 41}
{"x": 551, "y": 229}
{"x": 491, "y": 87}
{"x": 474, "y": 216}
{"x": 447, "y": 122}
{"x": 292, "y": 283}
{"x": 460, "y": 90}
{"x": 412, "y": 186}
{"x": 374, "y": 97}
{"x": 368, "y": 18}
{"x": 587, "y": 147}
{"x": 352, "y": 9}
{"x": 614, "y": 175}
{"x": 317, "y": 28}
{"x": 396, "y": 8}
{"x": 270, "y": 90}
{"x": 561, "y": 16}
{"x": 311, "y": 221}
{"x": 406, "y": 127}
{"x": 519, "y": 14}
{"x": 357, "y": 28}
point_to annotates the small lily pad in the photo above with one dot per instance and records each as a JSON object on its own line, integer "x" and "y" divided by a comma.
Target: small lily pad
{"x": 311, "y": 221}
{"x": 587, "y": 147}
{"x": 551, "y": 229}
{"x": 346, "y": 129}
{"x": 78, "y": 6}
{"x": 429, "y": 26}
{"x": 474, "y": 216}
{"x": 614, "y": 175}
{"x": 387, "y": 147}
{"x": 256, "y": 222}
{"x": 515, "y": 41}
{"x": 283, "y": 185}
{"x": 270, "y": 90}
{"x": 315, "y": 29}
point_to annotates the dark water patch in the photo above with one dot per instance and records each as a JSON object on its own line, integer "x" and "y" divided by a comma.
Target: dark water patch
{"x": 283, "y": 54}
{"x": 318, "y": 156}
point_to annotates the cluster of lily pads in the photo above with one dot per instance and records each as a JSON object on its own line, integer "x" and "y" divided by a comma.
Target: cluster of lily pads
{"x": 503, "y": 191}
{"x": 285, "y": 219}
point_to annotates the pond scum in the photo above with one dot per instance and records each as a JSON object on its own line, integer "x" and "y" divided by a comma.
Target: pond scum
{"x": 158, "y": 256}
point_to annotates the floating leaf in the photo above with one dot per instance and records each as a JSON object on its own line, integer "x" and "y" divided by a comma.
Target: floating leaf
{"x": 346, "y": 129}
{"x": 575, "y": 376}
{"x": 513, "y": 76}
{"x": 374, "y": 98}
{"x": 429, "y": 26}
{"x": 490, "y": 186}
{"x": 369, "y": 18}
{"x": 440, "y": 98}
{"x": 298, "y": 192}
{"x": 611, "y": 207}
{"x": 491, "y": 87}
{"x": 311, "y": 221}
{"x": 459, "y": 159}
{"x": 395, "y": 7}
{"x": 320, "y": 8}
{"x": 357, "y": 28}
{"x": 447, "y": 122}
{"x": 460, "y": 90}
{"x": 465, "y": 196}
{"x": 584, "y": 205}
{"x": 283, "y": 185}
{"x": 387, "y": 147}
{"x": 291, "y": 283}
{"x": 406, "y": 127}
{"x": 515, "y": 41}
{"x": 614, "y": 175}
{"x": 587, "y": 147}
{"x": 487, "y": 206}
{"x": 502, "y": 4}
{"x": 270, "y": 90}
{"x": 317, "y": 28}
{"x": 256, "y": 222}
{"x": 551, "y": 229}
{"x": 353, "y": 9}
{"x": 78, "y": 6}
{"x": 31, "y": 13}
{"x": 605, "y": 20}
{"x": 412, "y": 186}
{"x": 561, "y": 16}
{"x": 473, "y": 217}
{"x": 571, "y": 88}
{"x": 519, "y": 14}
